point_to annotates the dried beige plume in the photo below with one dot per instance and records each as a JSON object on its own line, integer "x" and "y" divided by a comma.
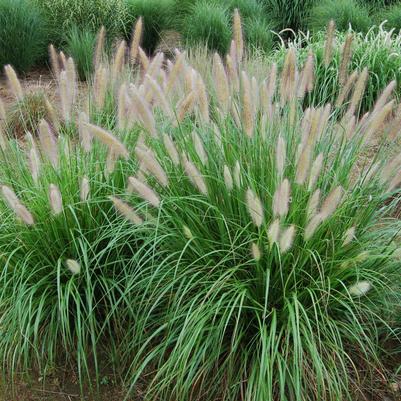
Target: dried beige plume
{"x": 390, "y": 167}
{"x": 346, "y": 89}
{"x": 199, "y": 148}
{"x": 100, "y": 86}
{"x": 331, "y": 203}
{"x": 382, "y": 100}
{"x": 108, "y": 139}
{"x": 55, "y": 199}
{"x": 122, "y": 120}
{"x": 349, "y": 236}
{"x": 73, "y": 266}
{"x": 247, "y": 107}
{"x": 143, "y": 58}
{"x": 171, "y": 149}
{"x": 303, "y": 165}
{"x": 185, "y": 106}
{"x": 84, "y": 134}
{"x": 232, "y": 73}
{"x": 323, "y": 121}
{"x": 312, "y": 226}
{"x": 287, "y": 239}
{"x": 256, "y": 252}
{"x": 119, "y": 61}
{"x": 221, "y": 83}
{"x": 329, "y": 43}
{"x": 350, "y": 128}
{"x": 3, "y": 114}
{"x": 273, "y": 232}
{"x": 156, "y": 64}
{"x": 345, "y": 59}
{"x": 238, "y": 37}
{"x": 148, "y": 159}
{"x": 126, "y": 211}
{"x": 235, "y": 115}
{"x": 160, "y": 96}
{"x": 195, "y": 177}
{"x": 54, "y": 60}
{"x": 144, "y": 191}
{"x": 84, "y": 189}
{"x": 281, "y": 199}
{"x": 228, "y": 179}
{"x": 360, "y": 288}
{"x": 14, "y": 83}
{"x": 99, "y": 49}
{"x": 63, "y": 60}
{"x": 395, "y": 182}
{"x": 281, "y": 150}
{"x": 52, "y": 114}
{"x": 271, "y": 90}
{"x": 359, "y": 90}
{"x": 237, "y": 174}
{"x": 175, "y": 72}
{"x": 307, "y": 76}
{"x": 203, "y": 100}
{"x": 315, "y": 171}
{"x": 136, "y": 40}
{"x": 255, "y": 207}
{"x": 288, "y": 76}
{"x": 34, "y": 163}
{"x": 255, "y": 94}
{"x": 71, "y": 80}
{"x": 17, "y": 206}
{"x": 313, "y": 204}
{"x": 145, "y": 114}
{"x": 65, "y": 96}
{"x": 48, "y": 143}
{"x": 377, "y": 121}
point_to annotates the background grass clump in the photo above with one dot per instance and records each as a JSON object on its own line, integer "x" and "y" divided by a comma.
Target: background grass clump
{"x": 23, "y": 34}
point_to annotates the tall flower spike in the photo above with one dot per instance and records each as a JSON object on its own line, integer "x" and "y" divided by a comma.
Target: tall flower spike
{"x": 346, "y": 89}
{"x": 345, "y": 58}
{"x": 199, "y": 148}
{"x": 287, "y": 239}
{"x": 48, "y": 143}
{"x": 175, "y": 72}
{"x": 54, "y": 60}
{"x": 255, "y": 207}
{"x": 16, "y": 205}
{"x": 202, "y": 99}
{"x": 84, "y": 189}
{"x": 303, "y": 166}
{"x": 238, "y": 37}
{"x": 360, "y": 288}
{"x": 288, "y": 76}
{"x": 247, "y": 107}
{"x": 280, "y": 156}
{"x": 126, "y": 211}
{"x": 221, "y": 83}
{"x": 313, "y": 204}
{"x": 53, "y": 117}
{"x": 312, "y": 226}
{"x": 315, "y": 171}
{"x": 256, "y": 252}
{"x": 99, "y": 50}
{"x": 118, "y": 62}
{"x": 331, "y": 203}
{"x": 228, "y": 179}
{"x": 3, "y": 114}
{"x": 34, "y": 163}
{"x": 72, "y": 80}
{"x": 14, "y": 83}
{"x": 84, "y": 134}
{"x": 349, "y": 236}
{"x": 359, "y": 90}
{"x": 65, "y": 96}
{"x": 151, "y": 164}
{"x": 160, "y": 97}
{"x": 108, "y": 139}
{"x": 195, "y": 176}
{"x": 136, "y": 40}
{"x": 237, "y": 175}
{"x": 55, "y": 199}
{"x": 171, "y": 149}
{"x": 185, "y": 106}
{"x": 144, "y": 191}
{"x": 143, "y": 58}
{"x": 145, "y": 114}
{"x": 281, "y": 199}
{"x": 100, "y": 86}
{"x": 329, "y": 43}
{"x": 274, "y": 232}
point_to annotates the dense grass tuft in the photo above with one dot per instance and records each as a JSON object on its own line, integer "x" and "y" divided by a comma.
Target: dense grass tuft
{"x": 23, "y": 34}
{"x": 345, "y": 13}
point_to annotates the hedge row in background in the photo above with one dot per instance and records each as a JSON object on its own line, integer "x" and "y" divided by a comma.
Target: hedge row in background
{"x": 72, "y": 24}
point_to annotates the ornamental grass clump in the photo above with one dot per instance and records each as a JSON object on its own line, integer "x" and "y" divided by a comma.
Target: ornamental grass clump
{"x": 218, "y": 238}
{"x": 271, "y": 275}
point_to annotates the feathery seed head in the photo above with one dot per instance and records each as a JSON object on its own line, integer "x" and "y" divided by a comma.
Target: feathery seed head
{"x": 281, "y": 199}
{"x": 126, "y": 211}
{"x": 73, "y": 266}
{"x": 256, "y": 252}
{"x": 55, "y": 199}
{"x": 238, "y": 37}
{"x": 315, "y": 171}
{"x": 331, "y": 203}
{"x": 144, "y": 191}
{"x": 48, "y": 143}
{"x": 171, "y": 149}
{"x": 273, "y": 233}
{"x": 14, "y": 83}
{"x": 195, "y": 176}
{"x": 228, "y": 179}
{"x": 255, "y": 207}
{"x": 349, "y": 236}
{"x": 313, "y": 226}
{"x": 136, "y": 40}
{"x": 360, "y": 288}
{"x": 287, "y": 239}
{"x": 84, "y": 189}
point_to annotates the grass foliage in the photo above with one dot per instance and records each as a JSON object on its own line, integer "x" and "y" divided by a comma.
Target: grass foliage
{"x": 22, "y": 34}
{"x": 345, "y": 13}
